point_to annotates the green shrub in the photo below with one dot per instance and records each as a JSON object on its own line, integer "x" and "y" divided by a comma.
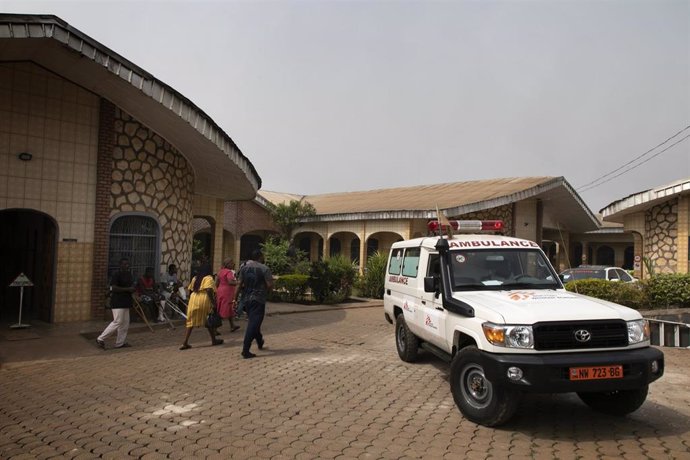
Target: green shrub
{"x": 280, "y": 258}
{"x": 302, "y": 267}
{"x": 669, "y": 290}
{"x": 629, "y": 294}
{"x": 331, "y": 280}
{"x": 372, "y": 282}
{"x": 290, "y": 288}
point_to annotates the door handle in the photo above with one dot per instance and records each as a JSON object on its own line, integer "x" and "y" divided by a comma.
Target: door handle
{"x": 423, "y": 302}
{"x": 439, "y": 308}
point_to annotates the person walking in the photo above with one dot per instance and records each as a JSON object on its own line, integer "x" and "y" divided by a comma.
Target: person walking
{"x": 225, "y": 292}
{"x": 239, "y": 303}
{"x": 255, "y": 281}
{"x": 201, "y": 301}
{"x": 121, "y": 288}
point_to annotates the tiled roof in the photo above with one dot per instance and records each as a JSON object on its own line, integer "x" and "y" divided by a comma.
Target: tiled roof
{"x": 423, "y": 197}
{"x": 455, "y": 199}
{"x": 414, "y": 198}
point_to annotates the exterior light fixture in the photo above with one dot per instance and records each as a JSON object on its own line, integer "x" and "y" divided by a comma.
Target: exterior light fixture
{"x": 25, "y": 156}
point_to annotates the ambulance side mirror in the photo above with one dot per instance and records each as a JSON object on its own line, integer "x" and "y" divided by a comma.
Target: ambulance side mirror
{"x": 431, "y": 283}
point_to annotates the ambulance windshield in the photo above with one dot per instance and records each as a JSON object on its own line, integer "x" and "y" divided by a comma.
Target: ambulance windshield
{"x": 501, "y": 269}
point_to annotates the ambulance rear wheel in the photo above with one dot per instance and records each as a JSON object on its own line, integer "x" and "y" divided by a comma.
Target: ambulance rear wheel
{"x": 405, "y": 341}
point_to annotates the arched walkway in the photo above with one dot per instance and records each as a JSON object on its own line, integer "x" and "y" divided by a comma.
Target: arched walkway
{"x": 310, "y": 243}
{"x": 605, "y": 255}
{"x": 28, "y": 244}
{"x": 202, "y": 243}
{"x": 341, "y": 243}
{"x": 251, "y": 241}
{"x": 380, "y": 242}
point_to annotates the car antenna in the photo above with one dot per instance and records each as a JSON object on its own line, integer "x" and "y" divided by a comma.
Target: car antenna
{"x": 443, "y": 220}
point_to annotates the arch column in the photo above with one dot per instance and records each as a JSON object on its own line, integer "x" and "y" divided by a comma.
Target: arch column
{"x": 362, "y": 251}
{"x": 217, "y": 234}
{"x": 585, "y": 251}
{"x": 326, "y": 248}
{"x": 238, "y": 246}
{"x": 683, "y": 239}
{"x": 638, "y": 251}
{"x": 104, "y": 172}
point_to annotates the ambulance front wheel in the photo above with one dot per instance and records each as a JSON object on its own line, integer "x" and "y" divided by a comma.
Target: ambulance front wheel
{"x": 405, "y": 341}
{"x": 479, "y": 400}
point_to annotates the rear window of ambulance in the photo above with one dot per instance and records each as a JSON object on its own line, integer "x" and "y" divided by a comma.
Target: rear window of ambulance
{"x": 395, "y": 264}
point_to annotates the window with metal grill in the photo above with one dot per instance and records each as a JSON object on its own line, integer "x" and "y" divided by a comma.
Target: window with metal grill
{"x": 561, "y": 335}
{"x": 136, "y": 238}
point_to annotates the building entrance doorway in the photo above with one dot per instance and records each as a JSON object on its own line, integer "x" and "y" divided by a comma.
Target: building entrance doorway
{"x": 28, "y": 242}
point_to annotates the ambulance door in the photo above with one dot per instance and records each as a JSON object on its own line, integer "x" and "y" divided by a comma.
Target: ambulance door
{"x": 432, "y": 315}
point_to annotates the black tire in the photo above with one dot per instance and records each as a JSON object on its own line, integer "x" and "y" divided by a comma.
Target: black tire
{"x": 617, "y": 402}
{"x": 406, "y": 342}
{"x": 479, "y": 399}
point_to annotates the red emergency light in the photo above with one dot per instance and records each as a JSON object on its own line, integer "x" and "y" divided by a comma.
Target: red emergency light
{"x": 467, "y": 226}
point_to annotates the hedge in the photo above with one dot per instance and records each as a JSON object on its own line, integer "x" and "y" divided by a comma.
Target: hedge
{"x": 671, "y": 290}
{"x": 290, "y": 288}
{"x": 660, "y": 291}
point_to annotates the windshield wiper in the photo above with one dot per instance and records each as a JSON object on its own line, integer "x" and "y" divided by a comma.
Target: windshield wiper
{"x": 509, "y": 286}
{"x": 470, "y": 287}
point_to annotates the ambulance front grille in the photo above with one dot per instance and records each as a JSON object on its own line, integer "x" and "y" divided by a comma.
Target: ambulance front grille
{"x": 564, "y": 335}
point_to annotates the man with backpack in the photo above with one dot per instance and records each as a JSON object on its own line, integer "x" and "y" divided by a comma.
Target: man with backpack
{"x": 255, "y": 280}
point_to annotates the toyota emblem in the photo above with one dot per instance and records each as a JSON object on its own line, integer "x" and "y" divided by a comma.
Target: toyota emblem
{"x": 583, "y": 335}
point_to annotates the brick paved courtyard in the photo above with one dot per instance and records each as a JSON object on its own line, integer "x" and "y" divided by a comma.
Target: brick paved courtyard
{"x": 329, "y": 385}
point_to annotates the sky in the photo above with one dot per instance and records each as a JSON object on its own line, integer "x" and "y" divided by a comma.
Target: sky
{"x": 336, "y": 96}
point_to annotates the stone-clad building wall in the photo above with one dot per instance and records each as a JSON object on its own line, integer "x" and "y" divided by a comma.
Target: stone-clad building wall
{"x": 504, "y": 213}
{"x": 661, "y": 233}
{"x": 150, "y": 176}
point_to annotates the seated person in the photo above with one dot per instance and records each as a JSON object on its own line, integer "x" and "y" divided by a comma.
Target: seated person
{"x": 169, "y": 281}
{"x": 172, "y": 289}
{"x": 500, "y": 270}
{"x": 148, "y": 296}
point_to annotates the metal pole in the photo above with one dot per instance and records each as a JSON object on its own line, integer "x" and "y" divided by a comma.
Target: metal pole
{"x": 21, "y": 304}
{"x": 19, "y": 325}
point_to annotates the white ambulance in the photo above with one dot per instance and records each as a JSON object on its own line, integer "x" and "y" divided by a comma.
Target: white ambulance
{"x": 494, "y": 307}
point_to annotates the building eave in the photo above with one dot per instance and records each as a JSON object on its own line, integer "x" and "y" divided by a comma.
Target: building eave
{"x": 641, "y": 201}
{"x": 222, "y": 171}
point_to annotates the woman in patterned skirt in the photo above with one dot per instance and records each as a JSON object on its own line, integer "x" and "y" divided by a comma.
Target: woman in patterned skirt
{"x": 201, "y": 300}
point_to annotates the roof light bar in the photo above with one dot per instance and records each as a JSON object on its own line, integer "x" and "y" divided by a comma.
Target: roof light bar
{"x": 467, "y": 226}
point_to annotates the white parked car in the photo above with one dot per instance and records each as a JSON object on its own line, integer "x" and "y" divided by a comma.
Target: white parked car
{"x": 602, "y": 272}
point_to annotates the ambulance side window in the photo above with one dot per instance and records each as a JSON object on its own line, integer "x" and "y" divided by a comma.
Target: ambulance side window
{"x": 396, "y": 262}
{"x": 434, "y": 266}
{"x": 411, "y": 262}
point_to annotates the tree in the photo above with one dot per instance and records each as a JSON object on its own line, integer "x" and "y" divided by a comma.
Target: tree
{"x": 287, "y": 216}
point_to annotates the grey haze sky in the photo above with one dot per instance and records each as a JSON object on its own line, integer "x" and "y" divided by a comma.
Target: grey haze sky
{"x": 340, "y": 96}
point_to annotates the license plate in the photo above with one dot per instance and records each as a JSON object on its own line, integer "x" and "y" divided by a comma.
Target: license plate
{"x": 596, "y": 372}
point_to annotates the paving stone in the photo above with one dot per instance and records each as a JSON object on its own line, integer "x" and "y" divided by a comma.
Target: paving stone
{"x": 330, "y": 386}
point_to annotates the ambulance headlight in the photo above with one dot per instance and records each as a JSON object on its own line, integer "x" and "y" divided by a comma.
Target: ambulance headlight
{"x": 509, "y": 336}
{"x": 638, "y": 331}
